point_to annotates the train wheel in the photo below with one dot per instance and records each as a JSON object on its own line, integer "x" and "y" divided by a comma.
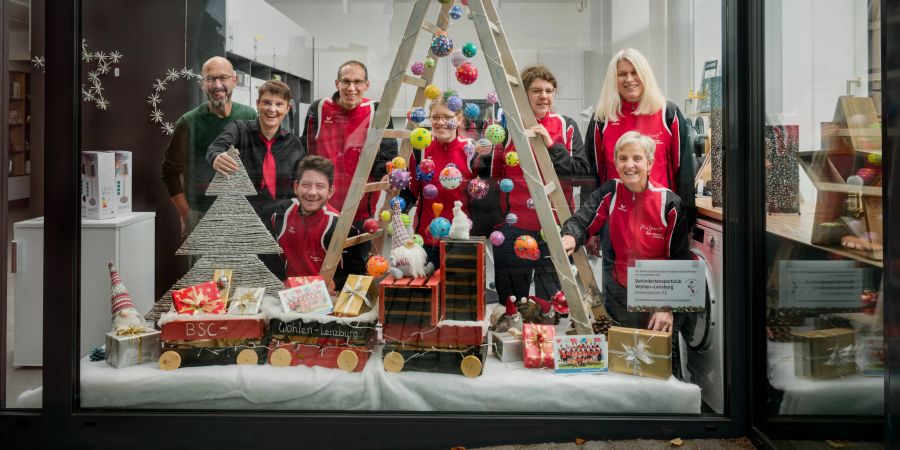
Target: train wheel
{"x": 280, "y": 358}
{"x": 170, "y": 360}
{"x": 393, "y": 362}
{"x": 247, "y": 356}
{"x": 470, "y": 366}
{"x": 347, "y": 360}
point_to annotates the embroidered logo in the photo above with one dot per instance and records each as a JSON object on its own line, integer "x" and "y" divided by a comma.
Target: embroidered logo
{"x": 652, "y": 231}
{"x": 290, "y": 229}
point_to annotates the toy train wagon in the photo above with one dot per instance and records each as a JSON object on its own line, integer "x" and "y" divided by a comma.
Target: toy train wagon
{"x": 192, "y": 341}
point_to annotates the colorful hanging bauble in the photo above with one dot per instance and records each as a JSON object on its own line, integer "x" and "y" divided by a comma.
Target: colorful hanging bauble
{"x": 399, "y": 162}
{"x": 466, "y": 73}
{"x": 430, "y": 63}
{"x": 529, "y": 203}
{"x": 376, "y": 266}
{"x": 432, "y": 92}
{"x": 417, "y": 239}
{"x": 469, "y": 50}
{"x": 417, "y": 115}
{"x": 399, "y": 179}
{"x": 390, "y": 229}
{"x": 422, "y": 176}
{"x": 457, "y": 58}
{"x": 398, "y": 201}
{"x": 405, "y": 219}
{"x": 484, "y": 146}
{"x": 512, "y": 159}
{"x": 456, "y": 12}
{"x": 420, "y": 138}
{"x": 439, "y": 227}
{"x": 441, "y": 45}
{"x": 464, "y": 2}
{"x": 450, "y": 93}
{"x": 430, "y": 191}
{"x": 495, "y": 133}
{"x": 450, "y": 177}
{"x": 454, "y": 103}
{"x": 472, "y": 111}
{"x": 506, "y": 185}
{"x": 451, "y": 124}
{"x": 427, "y": 165}
{"x": 385, "y": 216}
{"x": 512, "y": 218}
{"x": 527, "y": 248}
{"x": 370, "y": 226}
{"x": 437, "y": 208}
{"x": 469, "y": 149}
{"x": 874, "y": 158}
{"x": 497, "y": 238}
{"x": 492, "y": 98}
{"x": 417, "y": 68}
{"x": 478, "y": 188}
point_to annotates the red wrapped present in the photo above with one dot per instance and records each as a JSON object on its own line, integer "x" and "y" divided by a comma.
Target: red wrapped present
{"x": 537, "y": 345}
{"x": 199, "y": 299}
{"x": 300, "y": 281}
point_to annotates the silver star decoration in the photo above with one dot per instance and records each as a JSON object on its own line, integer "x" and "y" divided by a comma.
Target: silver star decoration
{"x": 102, "y": 104}
{"x": 86, "y": 96}
{"x": 172, "y": 75}
{"x": 153, "y": 99}
{"x": 99, "y": 56}
{"x": 115, "y": 56}
{"x": 189, "y": 73}
{"x": 97, "y": 89}
{"x": 92, "y": 77}
{"x": 86, "y": 57}
{"x": 168, "y": 128}
{"x": 103, "y": 68}
{"x": 39, "y": 63}
{"x": 156, "y": 116}
{"x": 160, "y": 85}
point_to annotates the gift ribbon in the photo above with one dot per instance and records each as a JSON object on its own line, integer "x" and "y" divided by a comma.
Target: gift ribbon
{"x": 196, "y": 302}
{"x": 539, "y": 338}
{"x": 135, "y": 332}
{"x": 638, "y": 353}
{"x": 840, "y": 356}
{"x": 354, "y": 291}
{"x": 244, "y": 301}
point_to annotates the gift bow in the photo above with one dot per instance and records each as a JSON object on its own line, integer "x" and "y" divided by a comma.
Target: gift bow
{"x": 355, "y": 291}
{"x": 539, "y": 339}
{"x": 840, "y": 356}
{"x": 638, "y": 353}
{"x": 196, "y": 302}
{"x": 134, "y": 332}
{"x": 245, "y": 301}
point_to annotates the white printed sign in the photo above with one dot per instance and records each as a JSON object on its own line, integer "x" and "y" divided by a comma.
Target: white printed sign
{"x": 654, "y": 285}
{"x": 819, "y": 284}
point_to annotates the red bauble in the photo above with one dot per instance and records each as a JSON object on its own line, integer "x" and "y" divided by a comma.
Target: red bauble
{"x": 370, "y": 226}
{"x": 466, "y": 73}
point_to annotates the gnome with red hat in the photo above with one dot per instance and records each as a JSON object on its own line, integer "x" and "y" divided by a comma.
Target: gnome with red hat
{"x": 124, "y": 313}
{"x": 503, "y": 321}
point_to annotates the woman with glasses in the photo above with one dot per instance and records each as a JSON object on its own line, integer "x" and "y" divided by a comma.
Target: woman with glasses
{"x": 513, "y": 275}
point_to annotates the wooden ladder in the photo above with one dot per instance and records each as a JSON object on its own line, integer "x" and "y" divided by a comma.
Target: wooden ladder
{"x": 505, "y": 75}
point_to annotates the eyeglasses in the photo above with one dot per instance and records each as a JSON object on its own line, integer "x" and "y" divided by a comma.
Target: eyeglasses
{"x": 435, "y": 119}
{"x": 356, "y": 83}
{"x": 536, "y": 91}
{"x": 220, "y": 79}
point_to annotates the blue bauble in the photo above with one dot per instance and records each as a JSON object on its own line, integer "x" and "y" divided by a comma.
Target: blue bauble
{"x": 424, "y": 177}
{"x": 506, "y": 185}
{"x": 454, "y": 103}
{"x": 440, "y": 227}
{"x": 511, "y": 219}
{"x": 399, "y": 200}
{"x": 417, "y": 115}
{"x": 456, "y": 12}
{"x": 472, "y": 111}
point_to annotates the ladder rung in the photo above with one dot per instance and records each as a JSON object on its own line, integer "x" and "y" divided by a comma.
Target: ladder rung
{"x": 550, "y": 188}
{"x": 494, "y": 27}
{"x": 377, "y": 186}
{"x": 530, "y": 134}
{"x": 430, "y": 27}
{"x": 514, "y": 81}
{"x": 415, "y": 81}
{"x": 360, "y": 238}
{"x": 396, "y": 134}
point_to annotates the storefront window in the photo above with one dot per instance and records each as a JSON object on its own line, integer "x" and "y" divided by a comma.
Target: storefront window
{"x": 824, "y": 185}
{"x": 213, "y": 296}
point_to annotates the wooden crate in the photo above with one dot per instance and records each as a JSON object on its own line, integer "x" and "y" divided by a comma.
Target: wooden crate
{"x": 177, "y": 354}
{"x": 329, "y": 354}
{"x": 409, "y": 301}
{"x": 468, "y": 362}
{"x": 445, "y": 336}
{"x": 227, "y": 327}
{"x": 462, "y": 279}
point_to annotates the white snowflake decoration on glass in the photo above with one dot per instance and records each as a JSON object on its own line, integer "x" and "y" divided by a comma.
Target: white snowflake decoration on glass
{"x": 172, "y": 75}
{"x": 153, "y": 100}
{"x": 93, "y": 92}
{"x": 168, "y": 128}
{"x": 86, "y": 96}
{"x": 102, "y": 104}
{"x": 39, "y": 63}
{"x": 156, "y": 116}
{"x": 160, "y": 85}
{"x": 155, "y": 97}
{"x": 115, "y": 56}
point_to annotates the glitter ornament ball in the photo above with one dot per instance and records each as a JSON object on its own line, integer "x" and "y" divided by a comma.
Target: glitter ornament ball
{"x": 491, "y": 97}
{"x": 417, "y": 115}
{"x": 506, "y": 185}
{"x": 466, "y": 73}
{"x": 430, "y": 191}
{"x": 457, "y": 58}
{"x": 464, "y": 2}
{"x": 427, "y": 165}
{"x": 484, "y": 146}
{"x": 399, "y": 179}
{"x": 450, "y": 93}
{"x": 371, "y": 226}
{"x": 478, "y": 188}
{"x": 430, "y": 63}
{"x": 469, "y": 50}
{"x": 417, "y": 68}
{"x": 454, "y": 103}
{"x": 456, "y": 12}
{"x": 417, "y": 239}
{"x": 495, "y": 133}
{"x": 529, "y": 203}
{"x": 439, "y": 227}
{"x": 385, "y": 216}
{"x": 399, "y": 162}
{"x": 527, "y": 248}
{"x": 472, "y": 111}
{"x": 441, "y": 45}
{"x": 450, "y": 177}
{"x": 512, "y": 218}
{"x": 405, "y": 219}
{"x": 432, "y": 92}
{"x": 469, "y": 149}
{"x": 377, "y": 266}
{"x": 420, "y": 138}
{"x": 512, "y": 159}
{"x": 497, "y": 238}
{"x": 395, "y": 201}
{"x": 451, "y": 124}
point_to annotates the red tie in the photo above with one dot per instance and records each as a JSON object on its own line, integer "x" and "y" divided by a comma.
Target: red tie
{"x": 268, "y": 181}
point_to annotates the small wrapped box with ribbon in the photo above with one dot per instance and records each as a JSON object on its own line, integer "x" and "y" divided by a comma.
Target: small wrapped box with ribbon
{"x": 357, "y": 296}
{"x": 645, "y": 353}
{"x": 824, "y": 354}
{"x": 199, "y": 299}
{"x": 132, "y": 346}
{"x": 537, "y": 345}
{"x": 507, "y": 347}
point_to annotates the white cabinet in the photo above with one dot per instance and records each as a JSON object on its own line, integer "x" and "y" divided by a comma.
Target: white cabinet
{"x": 128, "y": 241}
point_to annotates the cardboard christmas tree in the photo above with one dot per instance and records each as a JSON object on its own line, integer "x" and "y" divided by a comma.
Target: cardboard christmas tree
{"x": 229, "y": 236}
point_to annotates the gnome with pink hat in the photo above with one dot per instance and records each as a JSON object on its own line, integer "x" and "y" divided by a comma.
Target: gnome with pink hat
{"x": 124, "y": 313}
{"x": 407, "y": 258}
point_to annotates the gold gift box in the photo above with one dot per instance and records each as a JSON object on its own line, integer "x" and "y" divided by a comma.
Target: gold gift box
{"x": 644, "y": 353}
{"x": 356, "y": 297}
{"x": 824, "y": 354}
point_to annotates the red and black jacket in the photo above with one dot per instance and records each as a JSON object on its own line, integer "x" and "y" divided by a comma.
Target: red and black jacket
{"x": 304, "y": 239}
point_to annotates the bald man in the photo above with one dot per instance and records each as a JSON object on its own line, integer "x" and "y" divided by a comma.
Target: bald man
{"x": 185, "y": 171}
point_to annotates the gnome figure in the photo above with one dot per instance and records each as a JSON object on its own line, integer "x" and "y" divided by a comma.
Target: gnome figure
{"x": 503, "y": 321}
{"x": 459, "y": 227}
{"x": 124, "y": 314}
{"x": 407, "y": 258}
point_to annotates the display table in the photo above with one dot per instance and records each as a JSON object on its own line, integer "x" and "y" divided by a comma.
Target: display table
{"x": 503, "y": 388}
{"x": 847, "y": 396}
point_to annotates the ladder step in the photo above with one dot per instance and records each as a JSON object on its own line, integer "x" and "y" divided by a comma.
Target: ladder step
{"x": 360, "y": 238}
{"x": 550, "y": 188}
{"x": 415, "y": 81}
{"x": 377, "y": 186}
{"x": 396, "y": 134}
{"x": 494, "y": 27}
{"x": 513, "y": 81}
{"x": 430, "y": 27}
{"x": 530, "y": 134}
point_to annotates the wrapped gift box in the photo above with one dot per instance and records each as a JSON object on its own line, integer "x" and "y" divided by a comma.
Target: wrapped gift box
{"x": 300, "y": 281}
{"x": 824, "y": 354}
{"x": 537, "y": 345}
{"x": 356, "y": 297}
{"x": 645, "y": 353}
{"x": 507, "y": 348}
{"x": 246, "y": 301}
{"x": 198, "y": 299}
{"x": 131, "y": 347}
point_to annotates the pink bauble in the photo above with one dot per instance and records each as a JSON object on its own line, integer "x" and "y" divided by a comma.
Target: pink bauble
{"x": 478, "y": 188}
{"x": 427, "y": 165}
{"x": 457, "y": 58}
{"x": 497, "y": 238}
{"x": 417, "y": 68}
{"x": 492, "y": 97}
{"x": 399, "y": 179}
{"x": 430, "y": 191}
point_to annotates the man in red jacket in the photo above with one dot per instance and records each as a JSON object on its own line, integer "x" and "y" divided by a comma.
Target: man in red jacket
{"x": 336, "y": 129}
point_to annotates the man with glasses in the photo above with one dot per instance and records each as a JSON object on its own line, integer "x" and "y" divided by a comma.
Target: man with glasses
{"x": 185, "y": 171}
{"x": 336, "y": 129}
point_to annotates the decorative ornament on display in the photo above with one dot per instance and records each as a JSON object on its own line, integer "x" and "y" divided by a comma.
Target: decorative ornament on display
{"x": 427, "y": 165}
{"x": 407, "y": 258}
{"x": 478, "y": 188}
{"x": 430, "y": 191}
{"x": 469, "y": 50}
{"x": 417, "y": 68}
{"x": 432, "y": 92}
{"x": 484, "y": 146}
{"x": 530, "y": 204}
{"x": 451, "y": 124}
{"x": 512, "y": 218}
{"x": 388, "y": 167}
{"x": 417, "y": 115}
{"x": 466, "y": 73}
{"x": 385, "y": 216}
{"x": 440, "y": 227}
{"x": 495, "y": 133}
{"x": 506, "y": 185}
{"x": 527, "y": 248}
{"x": 456, "y": 12}
{"x": 512, "y": 159}
{"x": 405, "y": 219}
{"x": 98, "y": 353}
{"x": 450, "y": 93}
{"x": 472, "y": 111}
{"x": 430, "y": 63}
{"x": 420, "y": 138}
{"x": 398, "y": 201}
{"x": 450, "y": 177}
{"x": 492, "y": 98}
{"x": 441, "y": 45}
{"x": 497, "y": 238}
{"x": 399, "y": 179}
{"x": 469, "y": 149}
{"x": 124, "y": 314}
{"x": 464, "y": 2}
{"x": 376, "y": 266}
{"x": 399, "y": 162}
{"x": 457, "y": 58}
{"x": 559, "y": 302}
{"x": 418, "y": 240}
{"x": 371, "y": 226}
{"x": 874, "y": 159}
{"x": 437, "y": 208}
{"x": 454, "y": 103}
{"x": 459, "y": 228}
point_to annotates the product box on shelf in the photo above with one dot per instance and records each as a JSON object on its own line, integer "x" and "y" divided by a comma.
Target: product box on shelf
{"x": 462, "y": 279}
{"x": 132, "y": 346}
{"x": 122, "y": 198}
{"x": 825, "y": 354}
{"x": 98, "y": 174}
{"x": 411, "y": 301}
{"x": 645, "y": 353}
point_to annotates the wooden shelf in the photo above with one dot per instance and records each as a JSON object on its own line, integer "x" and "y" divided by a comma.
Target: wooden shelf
{"x": 854, "y": 132}
{"x": 706, "y": 209}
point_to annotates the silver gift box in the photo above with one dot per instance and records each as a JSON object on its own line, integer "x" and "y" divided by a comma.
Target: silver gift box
{"x": 132, "y": 349}
{"x": 507, "y": 348}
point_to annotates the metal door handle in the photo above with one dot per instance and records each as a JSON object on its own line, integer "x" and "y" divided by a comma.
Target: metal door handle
{"x": 13, "y": 253}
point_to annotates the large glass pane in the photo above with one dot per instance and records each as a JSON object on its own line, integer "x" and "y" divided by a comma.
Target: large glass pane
{"x": 824, "y": 185}
{"x": 272, "y": 79}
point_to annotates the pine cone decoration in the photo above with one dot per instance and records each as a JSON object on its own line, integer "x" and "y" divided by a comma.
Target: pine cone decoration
{"x": 98, "y": 353}
{"x": 601, "y": 325}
